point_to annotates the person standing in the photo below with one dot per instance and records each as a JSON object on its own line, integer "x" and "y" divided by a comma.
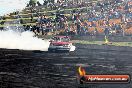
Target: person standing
{"x": 31, "y": 17}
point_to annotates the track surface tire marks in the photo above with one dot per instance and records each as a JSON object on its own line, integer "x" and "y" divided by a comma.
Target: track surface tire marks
{"x": 27, "y": 69}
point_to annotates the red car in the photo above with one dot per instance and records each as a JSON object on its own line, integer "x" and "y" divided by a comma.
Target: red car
{"x": 61, "y": 43}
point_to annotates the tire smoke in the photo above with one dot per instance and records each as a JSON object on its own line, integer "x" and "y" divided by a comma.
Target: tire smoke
{"x": 23, "y": 41}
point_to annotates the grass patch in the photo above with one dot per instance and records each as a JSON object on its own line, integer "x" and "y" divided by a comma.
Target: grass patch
{"x": 18, "y": 24}
{"x": 102, "y": 42}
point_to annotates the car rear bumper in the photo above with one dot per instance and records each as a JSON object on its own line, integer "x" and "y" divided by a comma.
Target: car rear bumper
{"x": 59, "y": 49}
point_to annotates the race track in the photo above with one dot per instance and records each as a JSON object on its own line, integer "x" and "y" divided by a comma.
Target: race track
{"x": 34, "y": 69}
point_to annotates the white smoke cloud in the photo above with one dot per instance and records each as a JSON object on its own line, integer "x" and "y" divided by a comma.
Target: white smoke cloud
{"x": 23, "y": 41}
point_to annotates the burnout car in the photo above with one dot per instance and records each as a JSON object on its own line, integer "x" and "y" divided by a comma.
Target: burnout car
{"x": 61, "y": 43}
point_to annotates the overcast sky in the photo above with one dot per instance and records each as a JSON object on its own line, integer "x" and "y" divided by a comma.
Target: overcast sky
{"x": 7, "y": 6}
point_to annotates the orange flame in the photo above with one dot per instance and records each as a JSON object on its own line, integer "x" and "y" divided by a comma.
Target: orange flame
{"x": 81, "y": 71}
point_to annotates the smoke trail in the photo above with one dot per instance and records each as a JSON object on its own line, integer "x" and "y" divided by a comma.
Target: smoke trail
{"x": 23, "y": 41}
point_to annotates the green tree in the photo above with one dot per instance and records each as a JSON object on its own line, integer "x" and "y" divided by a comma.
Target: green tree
{"x": 52, "y": 1}
{"x": 32, "y": 2}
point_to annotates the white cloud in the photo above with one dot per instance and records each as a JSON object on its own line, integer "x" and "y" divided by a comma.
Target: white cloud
{"x": 16, "y": 4}
{"x": 7, "y": 6}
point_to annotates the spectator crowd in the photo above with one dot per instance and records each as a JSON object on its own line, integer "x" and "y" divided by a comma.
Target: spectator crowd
{"x": 104, "y": 17}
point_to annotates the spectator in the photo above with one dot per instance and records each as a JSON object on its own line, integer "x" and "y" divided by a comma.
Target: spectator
{"x": 39, "y": 3}
{"x": 31, "y": 17}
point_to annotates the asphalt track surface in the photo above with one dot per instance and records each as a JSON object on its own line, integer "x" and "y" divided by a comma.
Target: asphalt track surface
{"x": 34, "y": 69}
